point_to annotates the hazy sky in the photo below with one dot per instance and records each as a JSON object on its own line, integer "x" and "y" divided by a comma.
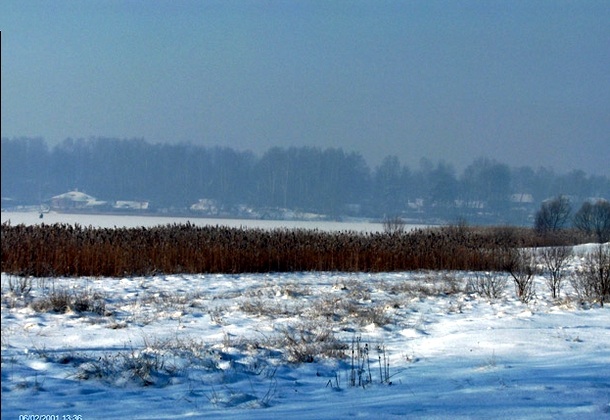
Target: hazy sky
{"x": 524, "y": 82}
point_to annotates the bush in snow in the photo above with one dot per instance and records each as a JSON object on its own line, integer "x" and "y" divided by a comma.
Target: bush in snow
{"x": 488, "y": 284}
{"x": 555, "y": 260}
{"x": 62, "y": 301}
{"x": 592, "y": 280}
{"x": 522, "y": 268}
{"x": 305, "y": 343}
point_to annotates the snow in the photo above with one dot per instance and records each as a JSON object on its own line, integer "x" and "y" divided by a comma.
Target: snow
{"x": 219, "y": 346}
{"x": 213, "y": 347}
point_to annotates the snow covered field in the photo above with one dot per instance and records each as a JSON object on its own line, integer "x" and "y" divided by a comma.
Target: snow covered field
{"x": 261, "y": 346}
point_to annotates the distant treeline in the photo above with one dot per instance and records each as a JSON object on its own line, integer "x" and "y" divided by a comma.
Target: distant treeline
{"x": 330, "y": 181}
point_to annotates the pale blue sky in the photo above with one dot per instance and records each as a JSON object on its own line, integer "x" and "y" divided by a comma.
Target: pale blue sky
{"x": 524, "y": 82}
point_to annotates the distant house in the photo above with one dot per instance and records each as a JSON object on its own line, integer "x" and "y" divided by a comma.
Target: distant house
{"x": 130, "y": 205}
{"x": 75, "y": 200}
{"x": 417, "y": 204}
{"x": 206, "y": 206}
{"x": 522, "y": 198}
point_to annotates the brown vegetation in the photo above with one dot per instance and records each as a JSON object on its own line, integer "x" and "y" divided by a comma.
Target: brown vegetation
{"x": 74, "y": 250}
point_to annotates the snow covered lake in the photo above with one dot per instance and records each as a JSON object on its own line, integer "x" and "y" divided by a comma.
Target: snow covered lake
{"x": 110, "y": 221}
{"x": 262, "y": 346}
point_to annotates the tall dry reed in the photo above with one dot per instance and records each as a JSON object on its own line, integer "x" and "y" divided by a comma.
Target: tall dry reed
{"x": 75, "y": 250}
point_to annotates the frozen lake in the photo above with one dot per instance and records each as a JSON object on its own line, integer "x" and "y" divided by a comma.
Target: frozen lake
{"x": 110, "y": 221}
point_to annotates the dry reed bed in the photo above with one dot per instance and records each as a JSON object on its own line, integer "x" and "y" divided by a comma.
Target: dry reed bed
{"x": 74, "y": 250}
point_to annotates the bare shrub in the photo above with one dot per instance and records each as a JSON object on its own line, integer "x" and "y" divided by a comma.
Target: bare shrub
{"x": 255, "y": 306}
{"x": 489, "y": 284}
{"x": 428, "y": 284}
{"x": 62, "y": 301}
{"x": 294, "y": 290}
{"x": 435, "y": 283}
{"x": 217, "y": 315}
{"x": 522, "y": 268}
{"x": 449, "y": 284}
{"x": 373, "y": 314}
{"x": 305, "y": 343}
{"x": 555, "y": 260}
{"x": 56, "y": 301}
{"x": 20, "y": 285}
{"x": 332, "y": 308}
{"x": 356, "y": 290}
{"x": 103, "y": 367}
{"x": 582, "y": 285}
{"x": 348, "y": 309}
{"x": 261, "y": 307}
{"x": 86, "y": 301}
{"x": 147, "y": 366}
{"x": 394, "y": 225}
{"x": 592, "y": 281}
{"x": 150, "y": 365}
{"x": 16, "y": 291}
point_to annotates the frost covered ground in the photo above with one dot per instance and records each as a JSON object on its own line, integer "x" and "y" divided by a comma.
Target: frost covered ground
{"x": 416, "y": 345}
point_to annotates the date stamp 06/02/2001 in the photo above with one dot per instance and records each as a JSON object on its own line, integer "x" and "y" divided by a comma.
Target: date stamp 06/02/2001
{"x": 51, "y": 417}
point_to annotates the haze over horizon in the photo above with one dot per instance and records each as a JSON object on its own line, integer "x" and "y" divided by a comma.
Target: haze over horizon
{"x": 525, "y": 83}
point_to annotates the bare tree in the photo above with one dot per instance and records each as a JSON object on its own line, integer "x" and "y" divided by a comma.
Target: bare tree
{"x": 594, "y": 219}
{"x": 394, "y": 225}
{"x": 522, "y": 268}
{"x": 555, "y": 260}
{"x": 553, "y": 215}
